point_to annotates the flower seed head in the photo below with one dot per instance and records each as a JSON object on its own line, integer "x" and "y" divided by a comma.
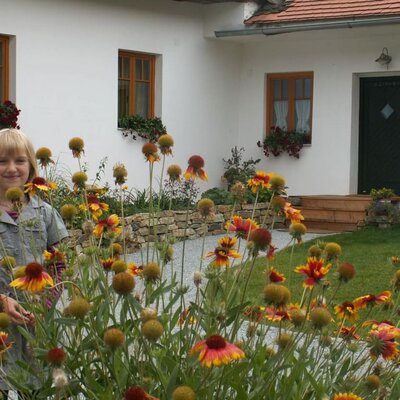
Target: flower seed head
{"x": 68, "y": 212}
{"x": 346, "y": 272}
{"x": 56, "y": 356}
{"x": 135, "y": 393}
{"x": 315, "y": 251}
{"x": 114, "y": 338}
{"x": 152, "y": 330}
{"x": 284, "y": 341}
{"x": 373, "y": 381}
{"x": 297, "y": 316}
{"x": 277, "y": 182}
{"x": 120, "y": 173}
{"x": 183, "y": 393}
{"x": 261, "y": 238}
{"x": 78, "y": 308}
{"x": 123, "y": 283}
{"x": 8, "y": 262}
{"x": 205, "y": 207}
{"x": 332, "y": 250}
{"x": 151, "y": 272}
{"x": 60, "y": 379}
{"x": 77, "y": 145}
{"x": 320, "y": 317}
{"x": 197, "y": 278}
{"x": 79, "y": 178}
{"x": 5, "y": 320}
{"x": 196, "y": 162}
{"x": 116, "y": 249}
{"x": 148, "y": 314}
{"x": 297, "y": 228}
{"x": 119, "y": 266}
{"x": 174, "y": 172}
{"x": 14, "y": 194}
{"x": 149, "y": 149}
{"x": 276, "y": 294}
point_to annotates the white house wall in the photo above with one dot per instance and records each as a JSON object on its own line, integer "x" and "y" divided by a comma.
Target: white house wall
{"x": 65, "y": 82}
{"x": 338, "y": 58}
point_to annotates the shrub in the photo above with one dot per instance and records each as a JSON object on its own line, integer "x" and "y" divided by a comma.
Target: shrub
{"x": 219, "y": 196}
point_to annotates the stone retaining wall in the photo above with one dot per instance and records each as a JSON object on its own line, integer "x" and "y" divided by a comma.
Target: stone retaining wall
{"x": 140, "y": 229}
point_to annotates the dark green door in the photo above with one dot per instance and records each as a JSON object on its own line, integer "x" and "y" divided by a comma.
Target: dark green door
{"x": 379, "y": 140}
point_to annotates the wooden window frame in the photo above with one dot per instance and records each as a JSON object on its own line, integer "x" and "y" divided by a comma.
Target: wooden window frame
{"x": 291, "y": 77}
{"x": 5, "y": 74}
{"x": 133, "y": 56}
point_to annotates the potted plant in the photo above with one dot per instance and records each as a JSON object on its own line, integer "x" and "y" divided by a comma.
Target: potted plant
{"x": 8, "y": 115}
{"x": 147, "y": 128}
{"x": 381, "y": 209}
{"x": 281, "y": 141}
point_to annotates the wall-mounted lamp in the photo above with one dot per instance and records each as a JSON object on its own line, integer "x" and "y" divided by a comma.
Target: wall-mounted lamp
{"x": 384, "y": 58}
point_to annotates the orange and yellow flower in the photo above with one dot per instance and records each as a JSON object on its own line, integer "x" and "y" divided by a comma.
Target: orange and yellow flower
{"x": 215, "y": 350}
{"x": 5, "y": 343}
{"x": 39, "y": 184}
{"x": 195, "y": 169}
{"x": 133, "y": 269}
{"x": 259, "y": 180}
{"x": 108, "y": 225}
{"x": 276, "y": 315}
{"x": 107, "y": 263}
{"x": 315, "y": 270}
{"x": 95, "y": 206}
{"x": 370, "y": 300}
{"x": 292, "y": 214}
{"x": 347, "y": 310}
{"x": 271, "y": 252}
{"x": 53, "y": 257}
{"x": 275, "y": 276}
{"x": 348, "y": 333}
{"x": 346, "y": 396}
{"x": 34, "y": 279}
{"x": 382, "y": 342}
{"x": 223, "y": 252}
{"x": 241, "y": 226}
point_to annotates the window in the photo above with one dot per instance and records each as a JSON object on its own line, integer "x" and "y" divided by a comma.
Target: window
{"x": 3, "y": 68}
{"x": 136, "y": 84}
{"x": 289, "y": 102}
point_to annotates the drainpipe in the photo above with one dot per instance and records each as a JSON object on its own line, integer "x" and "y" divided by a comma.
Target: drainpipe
{"x": 275, "y": 29}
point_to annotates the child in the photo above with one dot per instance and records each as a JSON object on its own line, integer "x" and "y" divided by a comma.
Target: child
{"x": 36, "y": 217}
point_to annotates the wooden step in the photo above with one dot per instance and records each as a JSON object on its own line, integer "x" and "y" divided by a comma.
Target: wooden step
{"x": 330, "y": 213}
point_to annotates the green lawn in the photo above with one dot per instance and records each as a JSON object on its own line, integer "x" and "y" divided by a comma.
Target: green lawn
{"x": 369, "y": 250}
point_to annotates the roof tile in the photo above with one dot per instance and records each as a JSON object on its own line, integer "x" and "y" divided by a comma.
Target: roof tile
{"x": 310, "y": 10}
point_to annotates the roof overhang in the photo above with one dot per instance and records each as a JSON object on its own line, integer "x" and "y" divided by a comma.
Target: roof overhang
{"x": 278, "y": 28}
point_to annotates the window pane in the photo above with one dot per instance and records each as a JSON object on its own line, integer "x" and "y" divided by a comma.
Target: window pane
{"x": 299, "y": 89}
{"x": 277, "y": 88}
{"x": 142, "y": 99}
{"x": 302, "y": 116}
{"x": 307, "y": 88}
{"x": 138, "y": 72}
{"x": 123, "y": 98}
{"x": 127, "y": 67}
{"x": 285, "y": 89}
{"x": 280, "y": 114}
{"x": 146, "y": 70}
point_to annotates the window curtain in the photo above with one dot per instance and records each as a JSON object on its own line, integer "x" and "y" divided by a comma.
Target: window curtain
{"x": 281, "y": 113}
{"x": 303, "y": 108}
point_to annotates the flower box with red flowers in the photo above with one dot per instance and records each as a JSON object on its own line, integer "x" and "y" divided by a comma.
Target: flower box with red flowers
{"x": 280, "y": 141}
{"x": 9, "y": 115}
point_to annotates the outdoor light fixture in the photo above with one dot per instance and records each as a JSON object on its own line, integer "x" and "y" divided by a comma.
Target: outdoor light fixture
{"x": 384, "y": 58}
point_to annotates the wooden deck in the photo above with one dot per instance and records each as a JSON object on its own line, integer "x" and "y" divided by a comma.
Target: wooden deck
{"x": 331, "y": 213}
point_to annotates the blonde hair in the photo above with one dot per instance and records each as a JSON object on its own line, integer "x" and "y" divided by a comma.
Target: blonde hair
{"x": 13, "y": 141}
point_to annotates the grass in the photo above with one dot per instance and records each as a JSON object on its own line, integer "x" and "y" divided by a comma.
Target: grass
{"x": 369, "y": 250}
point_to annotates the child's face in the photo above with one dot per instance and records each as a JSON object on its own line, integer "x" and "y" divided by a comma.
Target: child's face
{"x": 14, "y": 171}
